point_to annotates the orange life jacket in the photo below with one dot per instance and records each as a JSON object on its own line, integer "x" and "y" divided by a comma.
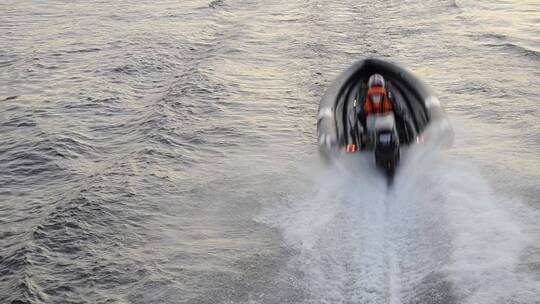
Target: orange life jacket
{"x": 382, "y": 107}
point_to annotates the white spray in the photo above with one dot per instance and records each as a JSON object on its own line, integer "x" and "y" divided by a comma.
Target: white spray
{"x": 438, "y": 234}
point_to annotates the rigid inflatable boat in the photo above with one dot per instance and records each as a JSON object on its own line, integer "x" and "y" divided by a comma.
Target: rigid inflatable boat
{"x": 416, "y": 116}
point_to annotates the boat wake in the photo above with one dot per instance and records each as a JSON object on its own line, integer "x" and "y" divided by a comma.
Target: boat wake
{"x": 439, "y": 234}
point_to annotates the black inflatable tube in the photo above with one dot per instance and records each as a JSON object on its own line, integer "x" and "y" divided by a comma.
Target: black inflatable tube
{"x": 429, "y": 115}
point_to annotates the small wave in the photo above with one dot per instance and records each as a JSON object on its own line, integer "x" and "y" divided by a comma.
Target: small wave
{"x": 7, "y": 59}
{"x": 87, "y": 50}
{"x": 216, "y": 3}
{"x": 17, "y": 286}
{"x": 491, "y": 36}
{"x": 23, "y": 163}
{"x": 103, "y": 106}
{"x": 125, "y": 69}
{"x": 10, "y": 98}
{"x": 515, "y": 48}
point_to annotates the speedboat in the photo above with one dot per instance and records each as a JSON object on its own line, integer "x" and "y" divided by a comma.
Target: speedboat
{"x": 416, "y": 116}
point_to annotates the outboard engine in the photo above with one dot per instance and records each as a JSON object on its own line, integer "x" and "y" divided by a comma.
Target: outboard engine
{"x": 385, "y": 141}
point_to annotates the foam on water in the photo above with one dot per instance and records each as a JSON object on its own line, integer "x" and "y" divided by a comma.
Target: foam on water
{"x": 440, "y": 234}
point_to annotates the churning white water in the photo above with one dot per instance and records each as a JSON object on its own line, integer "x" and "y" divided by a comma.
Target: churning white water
{"x": 439, "y": 234}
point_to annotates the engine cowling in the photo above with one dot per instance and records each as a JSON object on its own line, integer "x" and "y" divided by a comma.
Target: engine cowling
{"x": 384, "y": 140}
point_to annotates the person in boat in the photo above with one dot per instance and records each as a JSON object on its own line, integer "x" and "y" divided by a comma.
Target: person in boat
{"x": 377, "y": 100}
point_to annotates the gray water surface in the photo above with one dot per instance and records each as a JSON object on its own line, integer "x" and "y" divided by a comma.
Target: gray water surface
{"x": 165, "y": 152}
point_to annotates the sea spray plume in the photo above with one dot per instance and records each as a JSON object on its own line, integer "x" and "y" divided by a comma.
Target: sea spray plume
{"x": 481, "y": 228}
{"x": 439, "y": 234}
{"x": 337, "y": 232}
